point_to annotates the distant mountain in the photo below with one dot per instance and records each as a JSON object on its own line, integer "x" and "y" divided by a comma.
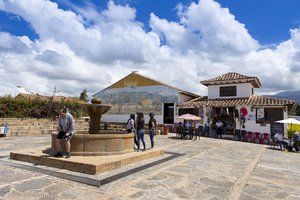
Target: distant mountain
{"x": 293, "y": 95}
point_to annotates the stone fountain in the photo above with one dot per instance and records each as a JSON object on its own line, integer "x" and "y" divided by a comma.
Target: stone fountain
{"x": 91, "y": 150}
{"x": 97, "y": 142}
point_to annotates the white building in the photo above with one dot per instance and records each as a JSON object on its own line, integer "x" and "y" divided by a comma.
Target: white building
{"x": 231, "y": 98}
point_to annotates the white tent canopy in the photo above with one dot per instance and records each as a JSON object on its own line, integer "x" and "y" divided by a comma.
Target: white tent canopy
{"x": 289, "y": 121}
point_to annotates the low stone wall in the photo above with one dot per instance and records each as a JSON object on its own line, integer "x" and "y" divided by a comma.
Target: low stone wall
{"x": 33, "y": 126}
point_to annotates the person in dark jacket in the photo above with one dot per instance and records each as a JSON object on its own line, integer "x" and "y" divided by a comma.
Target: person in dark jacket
{"x": 140, "y": 122}
{"x": 152, "y": 128}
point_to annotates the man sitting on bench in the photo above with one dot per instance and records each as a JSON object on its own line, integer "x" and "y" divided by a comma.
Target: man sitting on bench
{"x": 296, "y": 140}
{"x": 280, "y": 140}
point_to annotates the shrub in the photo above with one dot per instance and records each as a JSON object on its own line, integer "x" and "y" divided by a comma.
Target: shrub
{"x": 35, "y": 108}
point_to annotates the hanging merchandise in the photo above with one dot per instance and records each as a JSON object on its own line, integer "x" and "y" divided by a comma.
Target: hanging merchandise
{"x": 244, "y": 111}
{"x": 236, "y": 113}
{"x": 208, "y": 112}
{"x": 243, "y": 120}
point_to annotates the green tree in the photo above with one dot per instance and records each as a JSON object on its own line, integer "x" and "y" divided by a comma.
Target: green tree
{"x": 295, "y": 110}
{"x": 83, "y": 95}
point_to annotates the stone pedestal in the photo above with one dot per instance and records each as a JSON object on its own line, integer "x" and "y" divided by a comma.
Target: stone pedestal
{"x": 94, "y": 124}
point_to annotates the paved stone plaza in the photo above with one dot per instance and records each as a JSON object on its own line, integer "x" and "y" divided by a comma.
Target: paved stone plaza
{"x": 205, "y": 169}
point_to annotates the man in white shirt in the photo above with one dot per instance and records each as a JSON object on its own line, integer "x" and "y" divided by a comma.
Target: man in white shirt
{"x": 280, "y": 140}
{"x": 219, "y": 127}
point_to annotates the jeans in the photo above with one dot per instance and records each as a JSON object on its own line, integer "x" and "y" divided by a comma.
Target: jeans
{"x": 206, "y": 131}
{"x": 152, "y": 134}
{"x": 297, "y": 145}
{"x": 134, "y": 136}
{"x": 140, "y": 135}
{"x": 282, "y": 143}
{"x": 219, "y": 132}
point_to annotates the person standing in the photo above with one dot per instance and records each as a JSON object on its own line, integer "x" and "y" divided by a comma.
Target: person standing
{"x": 140, "y": 121}
{"x": 66, "y": 128}
{"x": 206, "y": 130}
{"x": 219, "y": 126}
{"x": 296, "y": 140}
{"x": 152, "y": 128}
{"x": 131, "y": 128}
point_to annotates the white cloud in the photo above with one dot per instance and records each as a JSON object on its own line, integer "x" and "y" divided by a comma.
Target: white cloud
{"x": 9, "y": 43}
{"x": 116, "y": 13}
{"x": 87, "y": 48}
{"x": 206, "y": 27}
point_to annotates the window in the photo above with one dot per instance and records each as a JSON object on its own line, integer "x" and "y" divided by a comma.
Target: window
{"x": 268, "y": 115}
{"x": 229, "y": 91}
{"x": 260, "y": 115}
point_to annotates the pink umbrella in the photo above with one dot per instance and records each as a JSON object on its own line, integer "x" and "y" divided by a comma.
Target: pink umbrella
{"x": 189, "y": 117}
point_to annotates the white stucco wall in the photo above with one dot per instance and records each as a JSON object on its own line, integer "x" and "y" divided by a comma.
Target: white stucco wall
{"x": 250, "y": 123}
{"x": 243, "y": 90}
{"x": 213, "y": 92}
{"x": 183, "y": 97}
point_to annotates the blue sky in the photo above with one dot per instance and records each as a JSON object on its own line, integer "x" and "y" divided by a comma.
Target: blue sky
{"x": 64, "y": 43}
{"x": 268, "y": 21}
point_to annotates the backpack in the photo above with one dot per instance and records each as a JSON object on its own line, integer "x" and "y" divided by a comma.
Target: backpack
{"x": 129, "y": 124}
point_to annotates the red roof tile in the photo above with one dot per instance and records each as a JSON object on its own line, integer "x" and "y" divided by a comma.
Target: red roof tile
{"x": 253, "y": 100}
{"x": 232, "y": 78}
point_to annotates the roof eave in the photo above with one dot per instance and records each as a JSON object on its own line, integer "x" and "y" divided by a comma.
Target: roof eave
{"x": 189, "y": 94}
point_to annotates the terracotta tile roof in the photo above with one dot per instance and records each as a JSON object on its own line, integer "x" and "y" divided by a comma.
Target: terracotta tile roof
{"x": 232, "y": 78}
{"x": 232, "y": 102}
{"x": 46, "y": 98}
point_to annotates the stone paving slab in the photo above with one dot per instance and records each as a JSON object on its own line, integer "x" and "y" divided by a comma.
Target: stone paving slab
{"x": 276, "y": 176}
{"x": 207, "y": 169}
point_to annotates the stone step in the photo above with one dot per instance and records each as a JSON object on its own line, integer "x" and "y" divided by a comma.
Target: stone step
{"x": 46, "y": 126}
{"x": 86, "y": 164}
{"x": 35, "y": 123}
{"x": 26, "y": 133}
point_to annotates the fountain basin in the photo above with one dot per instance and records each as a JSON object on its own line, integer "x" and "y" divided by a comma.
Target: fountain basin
{"x": 106, "y": 143}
